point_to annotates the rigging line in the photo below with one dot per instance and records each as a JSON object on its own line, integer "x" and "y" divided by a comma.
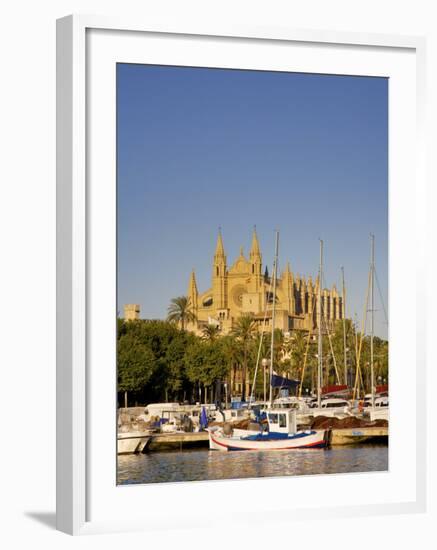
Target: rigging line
{"x": 260, "y": 342}
{"x": 330, "y": 343}
{"x": 310, "y": 332}
{"x": 343, "y": 307}
{"x": 363, "y": 330}
{"x": 324, "y": 317}
{"x": 380, "y": 295}
{"x": 304, "y": 363}
{"x": 275, "y": 282}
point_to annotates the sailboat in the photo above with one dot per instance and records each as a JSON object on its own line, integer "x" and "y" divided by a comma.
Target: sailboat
{"x": 379, "y": 407}
{"x": 331, "y": 399}
{"x": 279, "y": 430}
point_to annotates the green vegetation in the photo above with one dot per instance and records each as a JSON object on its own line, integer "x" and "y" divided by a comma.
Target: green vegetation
{"x": 180, "y": 312}
{"x": 161, "y": 361}
{"x": 244, "y": 332}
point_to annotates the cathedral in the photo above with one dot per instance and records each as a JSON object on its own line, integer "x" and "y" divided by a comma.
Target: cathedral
{"x": 243, "y": 288}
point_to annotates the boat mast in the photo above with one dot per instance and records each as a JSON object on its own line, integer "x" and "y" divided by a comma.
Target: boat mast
{"x": 275, "y": 276}
{"x": 320, "y": 346}
{"x": 372, "y": 284}
{"x": 343, "y": 307}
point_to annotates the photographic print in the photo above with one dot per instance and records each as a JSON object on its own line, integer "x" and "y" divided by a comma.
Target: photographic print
{"x": 252, "y": 274}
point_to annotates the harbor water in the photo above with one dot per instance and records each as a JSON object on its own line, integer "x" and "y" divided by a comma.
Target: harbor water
{"x": 203, "y": 465}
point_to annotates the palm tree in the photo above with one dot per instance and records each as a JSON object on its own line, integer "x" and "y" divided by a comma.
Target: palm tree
{"x": 278, "y": 344}
{"x": 211, "y": 332}
{"x": 243, "y": 332}
{"x": 179, "y": 311}
{"x": 298, "y": 349}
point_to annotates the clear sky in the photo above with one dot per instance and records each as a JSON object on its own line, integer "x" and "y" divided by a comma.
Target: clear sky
{"x": 200, "y": 148}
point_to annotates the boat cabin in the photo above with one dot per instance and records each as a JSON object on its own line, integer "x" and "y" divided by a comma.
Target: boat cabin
{"x": 281, "y": 420}
{"x": 290, "y": 403}
{"x": 335, "y": 403}
{"x": 381, "y": 402}
{"x": 232, "y": 415}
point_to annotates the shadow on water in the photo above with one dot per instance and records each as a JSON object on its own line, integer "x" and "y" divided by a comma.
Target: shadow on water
{"x": 45, "y": 518}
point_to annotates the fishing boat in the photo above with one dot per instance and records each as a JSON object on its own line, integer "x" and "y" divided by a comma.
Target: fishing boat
{"x": 281, "y": 435}
{"x": 276, "y": 428}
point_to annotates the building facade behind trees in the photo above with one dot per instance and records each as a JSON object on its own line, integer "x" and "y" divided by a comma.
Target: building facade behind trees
{"x": 245, "y": 288}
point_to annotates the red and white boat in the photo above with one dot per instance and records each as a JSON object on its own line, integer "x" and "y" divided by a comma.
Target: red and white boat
{"x": 281, "y": 435}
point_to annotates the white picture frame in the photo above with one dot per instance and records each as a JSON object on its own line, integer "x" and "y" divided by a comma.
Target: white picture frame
{"x": 76, "y": 203}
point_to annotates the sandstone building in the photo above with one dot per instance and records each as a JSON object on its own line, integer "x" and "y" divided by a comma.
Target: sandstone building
{"x": 131, "y": 312}
{"x": 244, "y": 288}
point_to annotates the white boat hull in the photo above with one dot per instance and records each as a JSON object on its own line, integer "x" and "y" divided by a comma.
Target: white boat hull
{"x": 132, "y": 442}
{"x": 378, "y": 413}
{"x": 237, "y": 442}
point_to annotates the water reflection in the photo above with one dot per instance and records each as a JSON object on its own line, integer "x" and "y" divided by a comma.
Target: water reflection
{"x": 198, "y": 465}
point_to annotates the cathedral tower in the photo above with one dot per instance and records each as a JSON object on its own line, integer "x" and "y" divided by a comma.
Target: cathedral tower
{"x": 255, "y": 260}
{"x": 242, "y": 289}
{"x": 219, "y": 275}
{"x": 193, "y": 293}
{"x": 288, "y": 288}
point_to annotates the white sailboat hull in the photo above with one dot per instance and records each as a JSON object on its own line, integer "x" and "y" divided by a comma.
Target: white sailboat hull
{"x": 132, "y": 442}
{"x": 255, "y": 442}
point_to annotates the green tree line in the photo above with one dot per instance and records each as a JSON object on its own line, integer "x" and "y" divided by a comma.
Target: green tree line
{"x": 161, "y": 361}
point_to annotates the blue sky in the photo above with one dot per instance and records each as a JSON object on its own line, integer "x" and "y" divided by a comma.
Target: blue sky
{"x": 200, "y": 148}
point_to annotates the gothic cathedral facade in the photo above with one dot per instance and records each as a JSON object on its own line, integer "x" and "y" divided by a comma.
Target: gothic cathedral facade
{"x": 243, "y": 289}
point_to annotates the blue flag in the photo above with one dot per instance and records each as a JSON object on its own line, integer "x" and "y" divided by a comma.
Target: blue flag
{"x": 203, "y": 419}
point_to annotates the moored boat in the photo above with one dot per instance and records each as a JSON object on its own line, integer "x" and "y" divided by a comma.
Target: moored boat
{"x": 281, "y": 435}
{"x": 132, "y": 442}
{"x": 333, "y": 406}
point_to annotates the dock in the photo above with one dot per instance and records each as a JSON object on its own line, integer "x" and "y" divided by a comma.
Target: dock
{"x": 352, "y": 436}
{"x": 178, "y": 440}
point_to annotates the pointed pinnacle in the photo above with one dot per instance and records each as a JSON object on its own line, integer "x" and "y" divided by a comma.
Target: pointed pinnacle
{"x": 219, "y": 249}
{"x": 255, "y": 250}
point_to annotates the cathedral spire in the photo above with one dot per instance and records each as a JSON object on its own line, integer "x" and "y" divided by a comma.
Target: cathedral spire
{"x": 287, "y": 271}
{"x": 193, "y": 293}
{"x": 219, "y": 249}
{"x": 219, "y": 274}
{"x": 192, "y": 287}
{"x": 255, "y": 260}
{"x": 255, "y": 250}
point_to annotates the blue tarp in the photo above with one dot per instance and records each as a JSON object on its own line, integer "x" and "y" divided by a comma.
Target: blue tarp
{"x": 281, "y": 382}
{"x": 271, "y": 436}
